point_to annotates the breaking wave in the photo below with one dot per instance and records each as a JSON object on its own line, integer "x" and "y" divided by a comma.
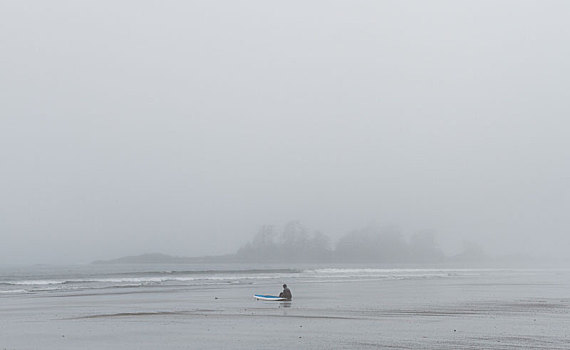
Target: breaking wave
{"x": 93, "y": 279}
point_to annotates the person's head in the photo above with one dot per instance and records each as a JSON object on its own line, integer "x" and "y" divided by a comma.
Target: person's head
{"x": 284, "y": 286}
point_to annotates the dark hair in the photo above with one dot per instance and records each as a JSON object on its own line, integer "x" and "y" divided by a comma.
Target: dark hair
{"x": 284, "y": 286}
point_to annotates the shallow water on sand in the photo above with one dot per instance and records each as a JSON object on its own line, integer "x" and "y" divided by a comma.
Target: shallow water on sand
{"x": 341, "y": 307}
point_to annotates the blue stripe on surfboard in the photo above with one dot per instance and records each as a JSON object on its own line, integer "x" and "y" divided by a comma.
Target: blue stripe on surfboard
{"x": 269, "y": 297}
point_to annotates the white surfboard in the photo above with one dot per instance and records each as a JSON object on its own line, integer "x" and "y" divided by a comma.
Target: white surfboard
{"x": 268, "y": 297}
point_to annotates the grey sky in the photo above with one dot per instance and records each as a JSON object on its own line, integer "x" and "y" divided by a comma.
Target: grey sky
{"x": 182, "y": 126}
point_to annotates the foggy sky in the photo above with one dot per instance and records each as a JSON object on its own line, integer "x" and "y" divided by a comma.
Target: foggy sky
{"x": 183, "y": 126}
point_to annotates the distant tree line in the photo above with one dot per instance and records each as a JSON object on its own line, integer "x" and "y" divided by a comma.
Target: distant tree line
{"x": 370, "y": 244}
{"x": 293, "y": 243}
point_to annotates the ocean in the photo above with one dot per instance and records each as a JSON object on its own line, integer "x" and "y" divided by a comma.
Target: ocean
{"x": 211, "y": 306}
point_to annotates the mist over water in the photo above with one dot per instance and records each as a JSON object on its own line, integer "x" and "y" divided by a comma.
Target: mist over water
{"x": 183, "y": 128}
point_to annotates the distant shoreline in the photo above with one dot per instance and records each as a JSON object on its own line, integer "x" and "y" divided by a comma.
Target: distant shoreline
{"x": 159, "y": 258}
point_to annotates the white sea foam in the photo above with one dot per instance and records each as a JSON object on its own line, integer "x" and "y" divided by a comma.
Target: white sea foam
{"x": 377, "y": 272}
{"x": 14, "y": 291}
{"x": 47, "y": 285}
{"x": 104, "y": 279}
{"x": 34, "y": 282}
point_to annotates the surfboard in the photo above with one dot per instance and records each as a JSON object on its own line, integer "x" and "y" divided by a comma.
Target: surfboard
{"x": 268, "y": 297}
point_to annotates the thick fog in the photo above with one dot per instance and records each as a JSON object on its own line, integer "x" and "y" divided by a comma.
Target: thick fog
{"x": 182, "y": 127}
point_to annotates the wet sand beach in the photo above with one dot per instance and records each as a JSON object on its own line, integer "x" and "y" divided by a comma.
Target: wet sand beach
{"x": 459, "y": 309}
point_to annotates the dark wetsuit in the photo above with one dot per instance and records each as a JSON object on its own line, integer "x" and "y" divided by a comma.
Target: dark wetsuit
{"x": 286, "y": 293}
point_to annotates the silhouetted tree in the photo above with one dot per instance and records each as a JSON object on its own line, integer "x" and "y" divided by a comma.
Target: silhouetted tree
{"x": 373, "y": 244}
{"x": 294, "y": 244}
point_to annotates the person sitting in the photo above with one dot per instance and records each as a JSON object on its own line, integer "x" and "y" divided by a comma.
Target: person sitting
{"x": 286, "y": 293}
